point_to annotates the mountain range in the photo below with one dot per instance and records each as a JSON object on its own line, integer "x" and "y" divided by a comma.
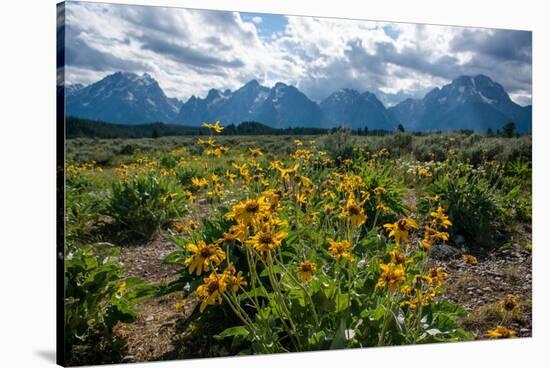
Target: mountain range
{"x": 468, "y": 102}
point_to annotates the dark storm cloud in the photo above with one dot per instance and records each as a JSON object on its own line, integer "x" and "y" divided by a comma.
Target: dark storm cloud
{"x": 79, "y": 54}
{"x": 504, "y": 56}
{"x": 187, "y": 55}
{"x": 502, "y": 45}
{"x": 417, "y": 59}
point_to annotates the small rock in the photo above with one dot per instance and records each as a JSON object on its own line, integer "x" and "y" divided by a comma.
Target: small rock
{"x": 150, "y": 318}
{"x": 444, "y": 252}
{"x": 128, "y": 358}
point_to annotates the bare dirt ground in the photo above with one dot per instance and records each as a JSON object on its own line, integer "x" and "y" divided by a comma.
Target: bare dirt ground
{"x": 480, "y": 288}
{"x": 151, "y": 336}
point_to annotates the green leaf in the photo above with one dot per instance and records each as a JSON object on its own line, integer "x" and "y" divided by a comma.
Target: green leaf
{"x": 276, "y": 269}
{"x": 175, "y": 257}
{"x": 339, "y": 340}
{"x": 317, "y": 339}
{"x": 232, "y": 331}
{"x": 258, "y": 292}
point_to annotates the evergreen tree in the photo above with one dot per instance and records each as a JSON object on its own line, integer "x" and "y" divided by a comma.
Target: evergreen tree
{"x": 508, "y": 129}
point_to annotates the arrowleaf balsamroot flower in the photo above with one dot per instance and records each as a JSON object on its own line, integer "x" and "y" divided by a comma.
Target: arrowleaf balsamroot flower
{"x": 438, "y": 275}
{"x": 500, "y": 332}
{"x": 255, "y": 152}
{"x": 234, "y": 279}
{"x": 354, "y": 212}
{"x": 392, "y": 276}
{"x": 249, "y": 211}
{"x": 468, "y": 259}
{"x": 306, "y": 270}
{"x": 398, "y": 258}
{"x": 216, "y": 127}
{"x": 207, "y": 143}
{"x": 211, "y": 291}
{"x": 440, "y": 216}
{"x": 204, "y": 255}
{"x": 268, "y": 239}
{"x": 287, "y": 173}
{"x": 341, "y": 249}
{"x": 399, "y": 230}
{"x": 199, "y": 182}
{"x": 509, "y": 305}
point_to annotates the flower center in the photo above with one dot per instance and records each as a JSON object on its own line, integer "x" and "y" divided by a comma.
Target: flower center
{"x": 206, "y": 252}
{"x": 509, "y": 305}
{"x": 213, "y": 286}
{"x": 252, "y": 207}
{"x": 266, "y": 238}
{"x": 354, "y": 210}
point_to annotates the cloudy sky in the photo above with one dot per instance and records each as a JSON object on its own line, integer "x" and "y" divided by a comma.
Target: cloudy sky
{"x": 192, "y": 51}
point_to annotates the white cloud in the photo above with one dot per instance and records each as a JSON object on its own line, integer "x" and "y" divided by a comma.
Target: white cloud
{"x": 191, "y": 51}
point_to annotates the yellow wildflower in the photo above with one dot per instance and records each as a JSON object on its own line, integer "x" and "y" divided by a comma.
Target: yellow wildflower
{"x": 500, "y": 332}
{"x": 341, "y": 249}
{"x": 379, "y": 191}
{"x": 398, "y": 258}
{"x": 266, "y": 240}
{"x": 391, "y": 277}
{"x": 204, "y": 255}
{"x": 237, "y": 232}
{"x": 233, "y": 278}
{"x": 286, "y": 173}
{"x": 255, "y": 152}
{"x": 509, "y": 305}
{"x": 199, "y": 182}
{"x": 211, "y": 291}
{"x": 306, "y": 270}
{"x": 400, "y": 229}
{"x": 439, "y": 275}
{"x": 216, "y": 127}
{"x": 354, "y": 212}
{"x": 468, "y": 259}
{"x": 249, "y": 211}
{"x": 440, "y": 216}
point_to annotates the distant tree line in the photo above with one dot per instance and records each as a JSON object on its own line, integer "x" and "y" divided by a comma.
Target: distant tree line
{"x": 78, "y": 127}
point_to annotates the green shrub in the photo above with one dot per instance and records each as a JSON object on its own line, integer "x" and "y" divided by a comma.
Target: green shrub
{"x": 338, "y": 144}
{"x": 97, "y": 297}
{"x": 398, "y": 144}
{"x": 185, "y": 174}
{"x": 429, "y": 152}
{"x": 143, "y": 204}
{"x": 473, "y": 205}
{"x": 82, "y": 213}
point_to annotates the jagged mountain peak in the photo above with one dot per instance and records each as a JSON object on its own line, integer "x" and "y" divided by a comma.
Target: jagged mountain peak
{"x": 468, "y": 102}
{"x": 123, "y": 97}
{"x": 350, "y": 108}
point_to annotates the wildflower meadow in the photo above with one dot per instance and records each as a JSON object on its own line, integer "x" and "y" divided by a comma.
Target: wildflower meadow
{"x": 214, "y": 245}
